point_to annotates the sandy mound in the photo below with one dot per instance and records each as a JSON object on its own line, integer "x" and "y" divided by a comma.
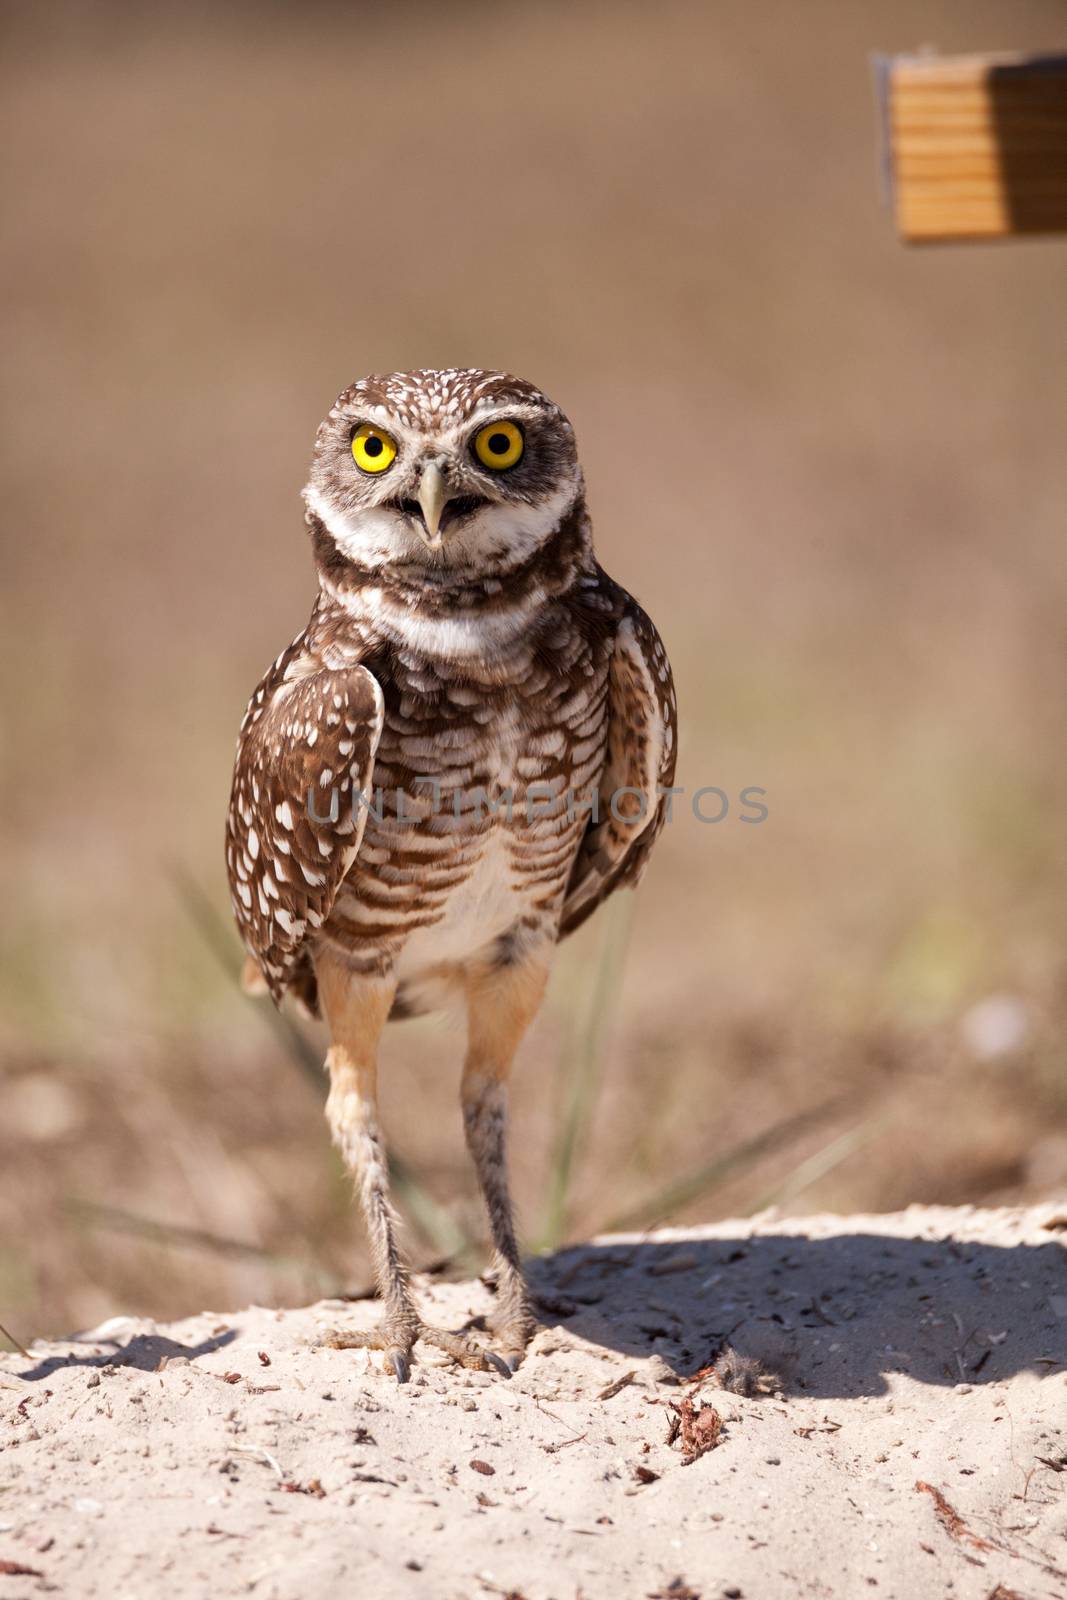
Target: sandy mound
{"x": 916, "y": 1445}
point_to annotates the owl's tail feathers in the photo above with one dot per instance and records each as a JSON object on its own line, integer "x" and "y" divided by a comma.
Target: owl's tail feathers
{"x": 252, "y": 980}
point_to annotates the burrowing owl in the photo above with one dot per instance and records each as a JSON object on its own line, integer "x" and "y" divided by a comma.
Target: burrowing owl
{"x": 461, "y": 755}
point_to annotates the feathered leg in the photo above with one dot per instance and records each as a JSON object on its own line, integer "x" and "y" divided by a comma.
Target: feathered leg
{"x": 501, "y": 1004}
{"x": 356, "y": 1009}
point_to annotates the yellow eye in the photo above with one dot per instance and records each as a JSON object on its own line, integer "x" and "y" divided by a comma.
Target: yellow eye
{"x": 373, "y": 449}
{"x": 499, "y": 445}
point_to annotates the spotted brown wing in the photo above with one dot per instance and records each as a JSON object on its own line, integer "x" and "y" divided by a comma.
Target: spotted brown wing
{"x": 309, "y": 731}
{"x": 642, "y": 740}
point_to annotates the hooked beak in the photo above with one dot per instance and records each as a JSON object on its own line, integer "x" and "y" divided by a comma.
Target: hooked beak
{"x": 433, "y": 497}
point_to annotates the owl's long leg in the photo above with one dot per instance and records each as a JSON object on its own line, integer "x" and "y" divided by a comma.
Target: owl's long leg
{"x": 501, "y": 1004}
{"x": 356, "y": 1009}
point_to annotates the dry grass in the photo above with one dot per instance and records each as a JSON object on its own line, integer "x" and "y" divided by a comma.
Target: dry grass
{"x": 832, "y": 469}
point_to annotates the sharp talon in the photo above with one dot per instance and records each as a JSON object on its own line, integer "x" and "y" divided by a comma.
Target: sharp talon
{"x": 513, "y": 1364}
{"x": 400, "y": 1366}
{"x": 498, "y": 1363}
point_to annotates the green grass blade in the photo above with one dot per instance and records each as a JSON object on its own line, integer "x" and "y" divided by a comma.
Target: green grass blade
{"x": 222, "y": 942}
{"x": 710, "y": 1175}
{"x": 580, "y": 1069}
{"x": 823, "y": 1161}
{"x": 10, "y": 1337}
{"x": 174, "y": 1235}
{"x": 438, "y": 1226}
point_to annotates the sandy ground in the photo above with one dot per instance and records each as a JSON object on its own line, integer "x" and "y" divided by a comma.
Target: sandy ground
{"x": 915, "y": 1443}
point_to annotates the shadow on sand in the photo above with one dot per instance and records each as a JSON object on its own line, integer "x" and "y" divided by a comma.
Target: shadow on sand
{"x": 144, "y": 1351}
{"x": 831, "y": 1316}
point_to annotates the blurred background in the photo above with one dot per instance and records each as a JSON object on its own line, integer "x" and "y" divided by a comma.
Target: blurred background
{"x": 833, "y": 469}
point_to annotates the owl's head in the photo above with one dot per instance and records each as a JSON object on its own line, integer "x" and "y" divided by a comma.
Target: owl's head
{"x": 460, "y": 470}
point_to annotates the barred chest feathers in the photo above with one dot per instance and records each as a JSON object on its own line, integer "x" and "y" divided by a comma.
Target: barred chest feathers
{"x": 483, "y": 779}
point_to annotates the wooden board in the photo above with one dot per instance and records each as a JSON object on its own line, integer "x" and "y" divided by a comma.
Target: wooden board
{"x": 977, "y": 145}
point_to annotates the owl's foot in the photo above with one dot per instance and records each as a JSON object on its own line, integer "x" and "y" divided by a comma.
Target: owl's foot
{"x": 396, "y": 1342}
{"x": 394, "y": 1339}
{"x": 464, "y": 1350}
{"x": 512, "y": 1332}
